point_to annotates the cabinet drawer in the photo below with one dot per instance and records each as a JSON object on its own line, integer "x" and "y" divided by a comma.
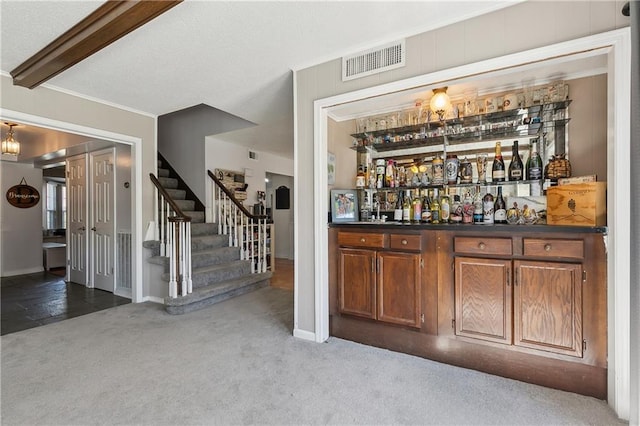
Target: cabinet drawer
{"x": 553, "y": 248}
{"x": 477, "y": 245}
{"x": 362, "y": 239}
{"x": 405, "y": 242}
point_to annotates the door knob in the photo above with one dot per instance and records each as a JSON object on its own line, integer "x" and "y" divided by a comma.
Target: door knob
{"x": 93, "y": 229}
{"x": 82, "y": 228}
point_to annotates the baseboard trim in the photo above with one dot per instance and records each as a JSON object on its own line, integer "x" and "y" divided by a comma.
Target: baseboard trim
{"x": 22, "y": 272}
{"x": 153, "y": 299}
{"x": 304, "y": 335}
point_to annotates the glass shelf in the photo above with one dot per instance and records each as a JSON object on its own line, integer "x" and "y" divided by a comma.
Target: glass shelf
{"x": 482, "y": 127}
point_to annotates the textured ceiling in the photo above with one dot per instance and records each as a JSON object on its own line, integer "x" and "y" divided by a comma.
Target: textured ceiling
{"x": 234, "y": 56}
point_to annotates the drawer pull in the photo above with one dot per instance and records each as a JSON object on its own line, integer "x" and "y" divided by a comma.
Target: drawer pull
{"x": 362, "y": 240}
{"x": 405, "y": 242}
{"x": 547, "y": 247}
{"x": 482, "y": 246}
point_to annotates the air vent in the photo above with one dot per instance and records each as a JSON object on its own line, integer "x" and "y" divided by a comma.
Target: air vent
{"x": 253, "y": 155}
{"x": 373, "y": 61}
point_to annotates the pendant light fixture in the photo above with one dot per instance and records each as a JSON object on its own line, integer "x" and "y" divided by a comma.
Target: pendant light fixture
{"x": 10, "y": 145}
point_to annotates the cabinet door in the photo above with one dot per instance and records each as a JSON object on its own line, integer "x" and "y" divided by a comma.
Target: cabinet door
{"x": 548, "y": 306}
{"x": 398, "y": 293}
{"x": 356, "y": 282}
{"x": 483, "y": 299}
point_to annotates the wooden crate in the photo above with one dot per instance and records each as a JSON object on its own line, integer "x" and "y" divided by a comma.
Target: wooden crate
{"x": 578, "y": 204}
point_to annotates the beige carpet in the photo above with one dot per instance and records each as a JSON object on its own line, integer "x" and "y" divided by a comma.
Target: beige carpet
{"x": 237, "y": 363}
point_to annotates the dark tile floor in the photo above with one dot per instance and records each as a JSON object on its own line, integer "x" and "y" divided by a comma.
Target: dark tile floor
{"x": 37, "y": 299}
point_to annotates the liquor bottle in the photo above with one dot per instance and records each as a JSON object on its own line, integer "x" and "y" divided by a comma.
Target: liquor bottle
{"x": 515, "y": 167}
{"x": 467, "y": 208}
{"x": 426, "y": 210}
{"x": 478, "y": 217}
{"x": 417, "y": 208}
{"x": 360, "y": 177}
{"x": 497, "y": 171}
{"x": 435, "y": 207}
{"x": 445, "y": 208}
{"x": 406, "y": 208}
{"x": 500, "y": 208}
{"x": 534, "y": 163}
{"x": 397, "y": 212}
{"x": 487, "y": 209}
{"x": 438, "y": 170}
{"x": 456, "y": 210}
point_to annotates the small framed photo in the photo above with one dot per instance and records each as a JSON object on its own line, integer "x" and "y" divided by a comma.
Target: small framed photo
{"x": 344, "y": 205}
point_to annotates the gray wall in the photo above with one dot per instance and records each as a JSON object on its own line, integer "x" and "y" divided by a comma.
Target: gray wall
{"x": 181, "y": 140}
{"x": 21, "y": 240}
{"x": 517, "y": 28}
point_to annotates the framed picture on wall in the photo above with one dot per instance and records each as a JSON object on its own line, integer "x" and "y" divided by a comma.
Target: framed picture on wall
{"x": 344, "y": 205}
{"x": 331, "y": 168}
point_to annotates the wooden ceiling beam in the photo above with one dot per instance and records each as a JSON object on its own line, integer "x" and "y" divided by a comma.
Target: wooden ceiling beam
{"x": 111, "y": 21}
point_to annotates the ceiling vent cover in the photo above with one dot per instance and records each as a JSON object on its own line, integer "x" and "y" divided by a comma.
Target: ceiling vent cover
{"x": 373, "y": 61}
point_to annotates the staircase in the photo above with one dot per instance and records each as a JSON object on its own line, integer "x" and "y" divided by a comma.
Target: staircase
{"x": 217, "y": 271}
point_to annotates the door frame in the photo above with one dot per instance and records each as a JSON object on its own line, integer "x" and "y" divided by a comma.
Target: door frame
{"x": 136, "y": 174}
{"x": 616, "y": 45}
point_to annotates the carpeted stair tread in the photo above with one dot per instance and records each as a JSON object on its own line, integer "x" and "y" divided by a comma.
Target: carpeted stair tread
{"x": 176, "y": 194}
{"x": 203, "y": 259}
{"x": 185, "y": 205}
{"x": 197, "y": 217}
{"x": 204, "y": 229}
{"x": 168, "y": 182}
{"x": 163, "y": 172}
{"x": 212, "y": 294}
{"x": 207, "y": 242}
{"x": 212, "y": 274}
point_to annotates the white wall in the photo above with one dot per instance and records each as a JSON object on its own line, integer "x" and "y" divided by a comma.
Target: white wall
{"x": 223, "y": 155}
{"x": 21, "y": 233}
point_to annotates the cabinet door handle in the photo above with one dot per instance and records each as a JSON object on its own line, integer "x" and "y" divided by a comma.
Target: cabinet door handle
{"x": 547, "y": 247}
{"x": 508, "y": 277}
{"x": 404, "y": 242}
{"x": 362, "y": 240}
{"x": 482, "y": 246}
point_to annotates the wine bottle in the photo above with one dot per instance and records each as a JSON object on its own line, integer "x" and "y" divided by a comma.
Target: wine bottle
{"x": 426, "y": 210}
{"x": 534, "y": 164}
{"x": 487, "y": 208}
{"x": 498, "y": 169}
{"x": 397, "y": 212}
{"x": 456, "y": 210}
{"x": 478, "y": 217}
{"x": 406, "y": 208}
{"x": 417, "y": 208}
{"x": 515, "y": 167}
{"x": 445, "y": 209}
{"x": 435, "y": 208}
{"x": 500, "y": 208}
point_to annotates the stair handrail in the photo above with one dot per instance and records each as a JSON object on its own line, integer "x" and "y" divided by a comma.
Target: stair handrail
{"x": 174, "y": 229}
{"x": 245, "y": 230}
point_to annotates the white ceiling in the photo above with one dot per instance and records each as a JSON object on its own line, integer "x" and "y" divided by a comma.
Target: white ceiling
{"x": 235, "y": 56}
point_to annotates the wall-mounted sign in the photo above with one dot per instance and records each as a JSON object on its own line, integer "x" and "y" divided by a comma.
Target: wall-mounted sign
{"x": 23, "y": 195}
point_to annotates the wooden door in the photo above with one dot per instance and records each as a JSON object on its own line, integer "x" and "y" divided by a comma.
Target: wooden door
{"x": 398, "y": 288}
{"x": 356, "y": 282}
{"x": 483, "y": 299}
{"x": 77, "y": 249}
{"x": 547, "y": 306}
